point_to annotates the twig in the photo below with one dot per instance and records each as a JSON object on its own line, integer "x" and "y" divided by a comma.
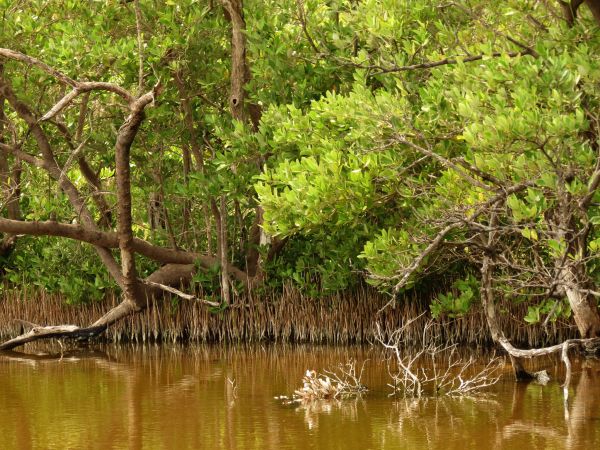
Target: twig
{"x": 138, "y": 26}
{"x": 415, "y": 382}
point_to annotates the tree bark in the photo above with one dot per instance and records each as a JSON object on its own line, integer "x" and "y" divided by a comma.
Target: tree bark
{"x": 570, "y": 9}
{"x": 240, "y": 73}
{"x": 585, "y": 311}
{"x": 569, "y": 267}
{"x": 131, "y": 285}
{"x": 240, "y": 76}
{"x": 516, "y": 354}
{"x": 487, "y": 299}
{"x": 109, "y": 239}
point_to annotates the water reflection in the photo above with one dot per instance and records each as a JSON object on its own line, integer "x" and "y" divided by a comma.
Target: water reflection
{"x": 222, "y": 398}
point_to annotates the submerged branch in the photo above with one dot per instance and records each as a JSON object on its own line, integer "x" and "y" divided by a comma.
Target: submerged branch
{"x": 445, "y": 372}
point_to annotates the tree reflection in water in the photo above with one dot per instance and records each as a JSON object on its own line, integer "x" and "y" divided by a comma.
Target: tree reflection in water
{"x": 219, "y": 398}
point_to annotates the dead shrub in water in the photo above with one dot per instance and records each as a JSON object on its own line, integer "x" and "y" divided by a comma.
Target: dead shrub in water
{"x": 332, "y": 385}
{"x": 432, "y": 368}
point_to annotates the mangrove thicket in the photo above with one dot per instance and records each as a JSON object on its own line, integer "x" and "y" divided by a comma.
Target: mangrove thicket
{"x": 211, "y": 150}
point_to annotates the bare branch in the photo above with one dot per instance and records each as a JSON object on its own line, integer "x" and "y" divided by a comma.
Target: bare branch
{"x": 304, "y": 25}
{"x": 447, "y": 163}
{"x": 445, "y": 373}
{"x": 448, "y": 61}
{"x": 439, "y": 238}
{"x": 60, "y": 105}
{"x": 18, "y": 56}
{"x": 181, "y": 294}
{"x": 78, "y": 86}
{"x": 108, "y": 239}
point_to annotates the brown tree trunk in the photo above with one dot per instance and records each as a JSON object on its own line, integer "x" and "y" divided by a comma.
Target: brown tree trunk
{"x": 585, "y": 310}
{"x": 594, "y": 6}
{"x": 9, "y": 184}
{"x": 240, "y": 73}
{"x": 136, "y": 293}
{"x": 570, "y": 9}
{"x": 570, "y": 271}
{"x": 131, "y": 285}
{"x": 196, "y": 150}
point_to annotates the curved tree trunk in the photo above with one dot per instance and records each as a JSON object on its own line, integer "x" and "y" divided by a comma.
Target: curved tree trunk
{"x": 136, "y": 295}
{"x": 585, "y": 310}
{"x": 517, "y": 355}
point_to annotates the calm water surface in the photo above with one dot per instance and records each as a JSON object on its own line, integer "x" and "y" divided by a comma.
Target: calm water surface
{"x": 170, "y": 397}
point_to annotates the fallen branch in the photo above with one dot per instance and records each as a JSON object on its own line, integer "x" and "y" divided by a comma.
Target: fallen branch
{"x": 59, "y": 331}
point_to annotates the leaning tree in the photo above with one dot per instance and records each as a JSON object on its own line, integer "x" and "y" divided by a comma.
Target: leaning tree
{"x": 49, "y": 128}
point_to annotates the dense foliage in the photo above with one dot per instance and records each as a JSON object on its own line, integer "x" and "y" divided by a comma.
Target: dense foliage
{"x": 389, "y": 140}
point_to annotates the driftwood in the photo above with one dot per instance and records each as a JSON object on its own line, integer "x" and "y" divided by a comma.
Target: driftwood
{"x": 72, "y": 331}
{"x": 58, "y": 331}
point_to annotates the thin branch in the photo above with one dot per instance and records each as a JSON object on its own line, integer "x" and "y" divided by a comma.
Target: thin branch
{"x": 416, "y": 263}
{"x": 18, "y": 56}
{"x": 82, "y": 115}
{"x": 70, "y": 159}
{"x": 447, "y": 61}
{"x": 304, "y": 25}
{"x": 434, "y": 244}
{"x": 138, "y": 26}
{"x": 181, "y": 294}
{"x": 447, "y": 163}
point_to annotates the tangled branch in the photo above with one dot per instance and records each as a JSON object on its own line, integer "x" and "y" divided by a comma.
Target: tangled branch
{"x": 434, "y": 369}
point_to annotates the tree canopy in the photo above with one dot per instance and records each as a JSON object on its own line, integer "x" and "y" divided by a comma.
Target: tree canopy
{"x": 236, "y": 146}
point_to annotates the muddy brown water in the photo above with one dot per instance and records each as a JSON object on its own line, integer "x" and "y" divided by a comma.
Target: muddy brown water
{"x": 174, "y": 397}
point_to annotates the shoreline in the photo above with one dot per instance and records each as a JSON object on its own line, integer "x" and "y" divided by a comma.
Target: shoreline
{"x": 289, "y": 316}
